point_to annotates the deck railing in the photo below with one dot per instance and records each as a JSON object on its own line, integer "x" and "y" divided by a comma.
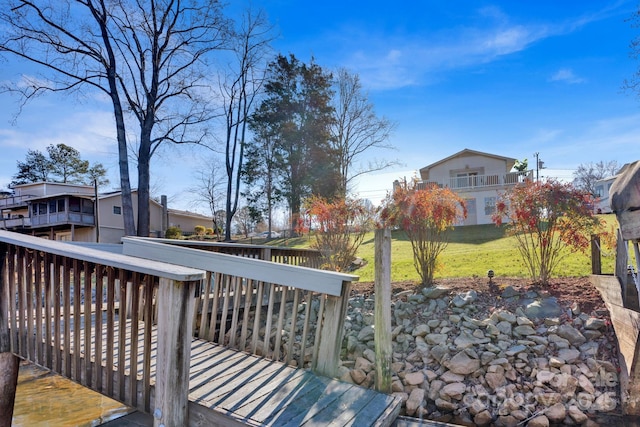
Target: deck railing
{"x": 61, "y": 309}
{"x": 283, "y": 312}
{"x": 123, "y": 325}
{"x": 480, "y": 181}
{"x": 292, "y": 256}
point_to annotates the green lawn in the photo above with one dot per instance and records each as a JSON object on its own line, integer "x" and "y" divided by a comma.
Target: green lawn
{"x": 471, "y": 252}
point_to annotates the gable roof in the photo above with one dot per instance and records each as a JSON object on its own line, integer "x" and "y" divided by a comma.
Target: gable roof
{"x": 467, "y": 152}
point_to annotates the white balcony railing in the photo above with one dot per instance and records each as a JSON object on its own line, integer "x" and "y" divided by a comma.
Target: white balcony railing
{"x": 479, "y": 181}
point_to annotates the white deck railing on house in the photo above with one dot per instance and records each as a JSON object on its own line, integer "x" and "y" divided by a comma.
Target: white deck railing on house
{"x": 14, "y": 201}
{"x": 480, "y": 181}
{"x": 15, "y": 222}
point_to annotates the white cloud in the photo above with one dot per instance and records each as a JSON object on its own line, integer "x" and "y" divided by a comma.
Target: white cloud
{"x": 566, "y": 75}
{"x": 391, "y": 61}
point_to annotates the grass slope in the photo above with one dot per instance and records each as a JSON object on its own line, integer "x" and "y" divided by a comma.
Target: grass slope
{"x": 472, "y": 250}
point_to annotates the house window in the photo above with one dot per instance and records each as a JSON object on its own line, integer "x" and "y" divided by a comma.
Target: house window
{"x": 53, "y": 206}
{"x": 489, "y": 205}
{"x": 61, "y": 205}
{"x": 74, "y": 205}
{"x": 117, "y": 210}
{"x": 466, "y": 179}
{"x": 87, "y": 207}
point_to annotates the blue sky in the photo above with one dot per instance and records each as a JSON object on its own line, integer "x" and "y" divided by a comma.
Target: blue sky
{"x": 509, "y": 78}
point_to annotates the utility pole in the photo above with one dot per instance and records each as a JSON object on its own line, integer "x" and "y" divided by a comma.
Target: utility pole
{"x": 539, "y": 164}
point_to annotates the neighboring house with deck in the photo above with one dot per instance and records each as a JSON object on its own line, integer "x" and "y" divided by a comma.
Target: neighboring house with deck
{"x": 602, "y": 187}
{"x": 61, "y": 211}
{"x": 477, "y": 177}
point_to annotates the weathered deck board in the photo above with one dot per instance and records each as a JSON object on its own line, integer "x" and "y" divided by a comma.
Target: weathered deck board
{"x": 231, "y": 387}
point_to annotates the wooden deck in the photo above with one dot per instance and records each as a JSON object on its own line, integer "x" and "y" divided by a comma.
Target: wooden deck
{"x": 155, "y": 363}
{"x": 233, "y": 388}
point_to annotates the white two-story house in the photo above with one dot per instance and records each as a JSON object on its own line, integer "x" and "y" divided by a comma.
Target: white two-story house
{"x": 477, "y": 177}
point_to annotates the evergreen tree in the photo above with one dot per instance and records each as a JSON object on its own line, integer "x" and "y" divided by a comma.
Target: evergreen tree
{"x": 296, "y": 117}
{"x": 63, "y": 164}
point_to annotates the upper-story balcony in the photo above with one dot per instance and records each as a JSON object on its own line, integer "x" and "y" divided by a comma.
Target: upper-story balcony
{"x": 15, "y": 222}
{"x": 474, "y": 181}
{"x": 41, "y": 212}
{"x": 15, "y": 201}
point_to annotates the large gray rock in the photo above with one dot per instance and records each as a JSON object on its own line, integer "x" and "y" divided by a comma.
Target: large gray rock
{"x": 539, "y": 421}
{"x": 569, "y": 355}
{"x": 453, "y": 391}
{"x": 463, "y": 299}
{"x": 556, "y": 413}
{"x": 415, "y": 401}
{"x": 571, "y": 334}
{"x": 495, "y": 379}
{"x": 462, "y": 364}
{"x": 545, "y": 308}
{"x": 593, "y": 323}
{"x": 414, "y": 378}
{"x": 524, "y": 330}
{"x": 436, "y": 339}
{"x": 435, "y": 292}
{"x": 577, "y": 415}
{"x": 482, "y": 418}
{"x": 366, "y": 334}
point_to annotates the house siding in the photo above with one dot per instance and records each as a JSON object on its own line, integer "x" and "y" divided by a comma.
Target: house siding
{"x": 479, "y": 178}
{"x": 79, "y": 225}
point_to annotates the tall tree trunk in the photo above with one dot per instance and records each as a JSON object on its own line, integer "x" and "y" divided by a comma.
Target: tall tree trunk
{"x": 121, "y": 135}
{"x": 125, "y": 183}
{"x": 144, "y": 162}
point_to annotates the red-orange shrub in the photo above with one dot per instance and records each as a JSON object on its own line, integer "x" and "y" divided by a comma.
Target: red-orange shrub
{"x": 426, "y": 215}
{"x": 545, "y": 217}
{"x": 340, "y": 226}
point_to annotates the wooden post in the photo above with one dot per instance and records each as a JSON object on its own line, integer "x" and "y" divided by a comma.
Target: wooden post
{"x": 265, "y": 254}
{"x": 622, "y": 257}
{"x": 175, "y": 329}
{"x": 9, "y": 362}
{"x": 332, "y": 332}
{"x": 596, "y": 260}
{"x": 382, "y": 311}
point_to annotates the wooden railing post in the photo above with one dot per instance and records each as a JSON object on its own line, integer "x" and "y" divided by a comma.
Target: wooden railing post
{"x": 382, "y": 311}
{"x": 265, "y": 254}
{"x": 622, "y": 257}
{"x": 332, "y": 331}
{"x": 596, "y": 259}
{"x": 175, "y": 329}
{"x": 9, "y": 362}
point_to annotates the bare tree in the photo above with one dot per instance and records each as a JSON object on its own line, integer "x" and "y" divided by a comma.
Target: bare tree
{"x": 357, "y": 130}
{"x": 243, "y": 221}
{"x": 239, "y": 89}
{"x": 147, "y": 55}
{"x": 208, "y": 190}
{"x": 75, "y": 53}
{"x": 586, "y": 174}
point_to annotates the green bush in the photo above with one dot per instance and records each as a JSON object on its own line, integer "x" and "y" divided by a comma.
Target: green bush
{"x": 209, "y": 231}
{"x": 173, "y": 233}
{"x": 200, "y": 230}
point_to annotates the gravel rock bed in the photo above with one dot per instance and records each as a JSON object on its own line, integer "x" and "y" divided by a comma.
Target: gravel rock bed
{"x": 522, "y": 358}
